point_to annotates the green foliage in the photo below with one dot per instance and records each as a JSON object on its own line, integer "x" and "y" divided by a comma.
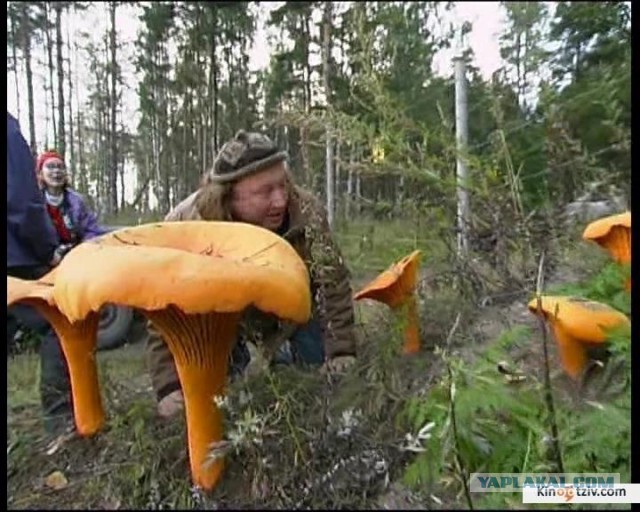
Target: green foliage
{"x": 496, "y": 422}
{"x": 606, "y": 286}
{"x": 501, "y": 426}
{"x": 597, "y": 436}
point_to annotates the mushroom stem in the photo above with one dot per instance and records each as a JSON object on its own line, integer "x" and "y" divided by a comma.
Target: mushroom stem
{"x": 573, "y": 353}
{"x": 78, "y": 342}
{"x": 201, "y": 345}
{"x": 618, "y": 244}
{"x": 409, "y": 310}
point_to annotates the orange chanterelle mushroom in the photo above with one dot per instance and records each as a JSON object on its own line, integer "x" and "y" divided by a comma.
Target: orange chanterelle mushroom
{"x": 395, "y": 287}
{"x": 577, "y": 324}
{"x": 613, "y": 234}
{"x": 192, "y": 280}
{"x": 78, "y": 341}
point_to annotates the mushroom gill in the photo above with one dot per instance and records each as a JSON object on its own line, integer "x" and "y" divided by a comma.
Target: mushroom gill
{"x": 395, "y": 287}
{"x": 78, "y": 342}
{"x": 192, "y": 280}
{"x": 577, "y": 324}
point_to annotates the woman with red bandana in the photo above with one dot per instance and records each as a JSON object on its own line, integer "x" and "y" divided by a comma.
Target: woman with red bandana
{"x": 73, "y": 220}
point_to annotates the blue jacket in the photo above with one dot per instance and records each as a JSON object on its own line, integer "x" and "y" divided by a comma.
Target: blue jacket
{"x": 84, "y": 221}
{"x": 31, "y": 237}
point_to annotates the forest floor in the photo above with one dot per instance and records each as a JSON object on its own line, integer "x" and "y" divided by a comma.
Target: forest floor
{"x": 302, "y": 440}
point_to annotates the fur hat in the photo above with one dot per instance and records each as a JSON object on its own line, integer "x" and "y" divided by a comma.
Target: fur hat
{"x": 245, "y": 154}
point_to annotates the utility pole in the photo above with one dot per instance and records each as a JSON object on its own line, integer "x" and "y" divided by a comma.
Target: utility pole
{"x": 462, "y": 135}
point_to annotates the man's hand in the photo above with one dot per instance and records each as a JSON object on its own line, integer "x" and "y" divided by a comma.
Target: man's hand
{"x": 59, "y": 253}
{"x": 338, "y": 364}
{"x": 55, "y": 259}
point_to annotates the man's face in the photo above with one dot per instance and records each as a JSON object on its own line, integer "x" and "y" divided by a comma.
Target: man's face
{"x": 261, "y": 199}
{"x": 54, "y": 172}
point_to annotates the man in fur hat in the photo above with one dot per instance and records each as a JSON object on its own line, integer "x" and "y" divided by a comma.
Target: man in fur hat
{"x": 250, "y": 182}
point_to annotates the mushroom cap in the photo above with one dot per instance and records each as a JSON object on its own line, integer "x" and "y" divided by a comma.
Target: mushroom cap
{"x": 601, "y": 227}
{"x": 229, "y": 240}
{"x": 583, "y": 319}
{"x": 21, "y": 289}
{"x": 225, "y": 268}
{"x": 614, "y": 234}
{"x": 394, "y": 284}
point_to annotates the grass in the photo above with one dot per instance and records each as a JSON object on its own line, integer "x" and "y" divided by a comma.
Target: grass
{"x": 370, "y": 246}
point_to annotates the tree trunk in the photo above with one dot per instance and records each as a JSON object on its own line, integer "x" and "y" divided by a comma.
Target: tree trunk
{"x": 26, "y": 49}
{"x": 61, "y": 139}
{"x": 337, "y": 168}
{"x": 349, "y": 197}
{"x": 326, "y": 56}
{"x": 307, "y": 82}
{"x": 232, "y": 110}
{"x": 82, "y": 181}
{"x": 72, "y": 150}
{"x": 14, "y": 57}
{"x": 99, "y": 159}
{"x": 50, "y": 66}
{"x": 47, "y": 113}
{"x": 82, "y": 166}
{"x": 214, "y": 66}
{"x": 358, "y": 193}
{"x": 113, "y": 175}
{"x": 122, "y": 181}
{"x": 399, "y": 195}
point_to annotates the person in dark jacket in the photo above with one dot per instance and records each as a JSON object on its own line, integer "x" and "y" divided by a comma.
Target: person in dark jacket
{"x": 32, "y": 250}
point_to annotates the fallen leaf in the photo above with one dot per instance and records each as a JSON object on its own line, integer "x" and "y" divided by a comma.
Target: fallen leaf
{"x": 56, "y": 480}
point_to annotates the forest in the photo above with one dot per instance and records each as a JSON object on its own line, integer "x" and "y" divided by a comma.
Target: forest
{"x": 352, "y": 93}
{"x": 343, "y": 80}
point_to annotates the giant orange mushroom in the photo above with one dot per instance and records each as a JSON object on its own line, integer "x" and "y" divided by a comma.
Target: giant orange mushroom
{"x": 395, "y": 287}
{"x": 78, "y": 342}
{"x": 577, "y": 324}
{"x": 613, "y": 233}
{"x": 193, "y": 280}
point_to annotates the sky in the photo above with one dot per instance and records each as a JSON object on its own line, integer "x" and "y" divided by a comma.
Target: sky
{"x": 487, "y": 19}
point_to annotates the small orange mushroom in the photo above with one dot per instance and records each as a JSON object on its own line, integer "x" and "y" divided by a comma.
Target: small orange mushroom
{"x": 395, "y": 287}
{"x": 78, "y": 342}
{"x": 613, "y": 234}
{"x": 193, "y": 280}
{"x": 577, "y": 324}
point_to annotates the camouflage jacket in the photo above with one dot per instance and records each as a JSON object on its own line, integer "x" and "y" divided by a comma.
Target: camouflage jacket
{"x": 310, "y": 235}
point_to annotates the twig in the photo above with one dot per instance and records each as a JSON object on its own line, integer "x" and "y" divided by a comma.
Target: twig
{"x": 454, "y": 427}
{"x": 556, "y": 452}
{"x": 526, "y": 455}
{"x": 452, "y": 413}
{"x": 123, "y": 241}
{"x": 453, "y": 330}
{"x": 258, "y": 253}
